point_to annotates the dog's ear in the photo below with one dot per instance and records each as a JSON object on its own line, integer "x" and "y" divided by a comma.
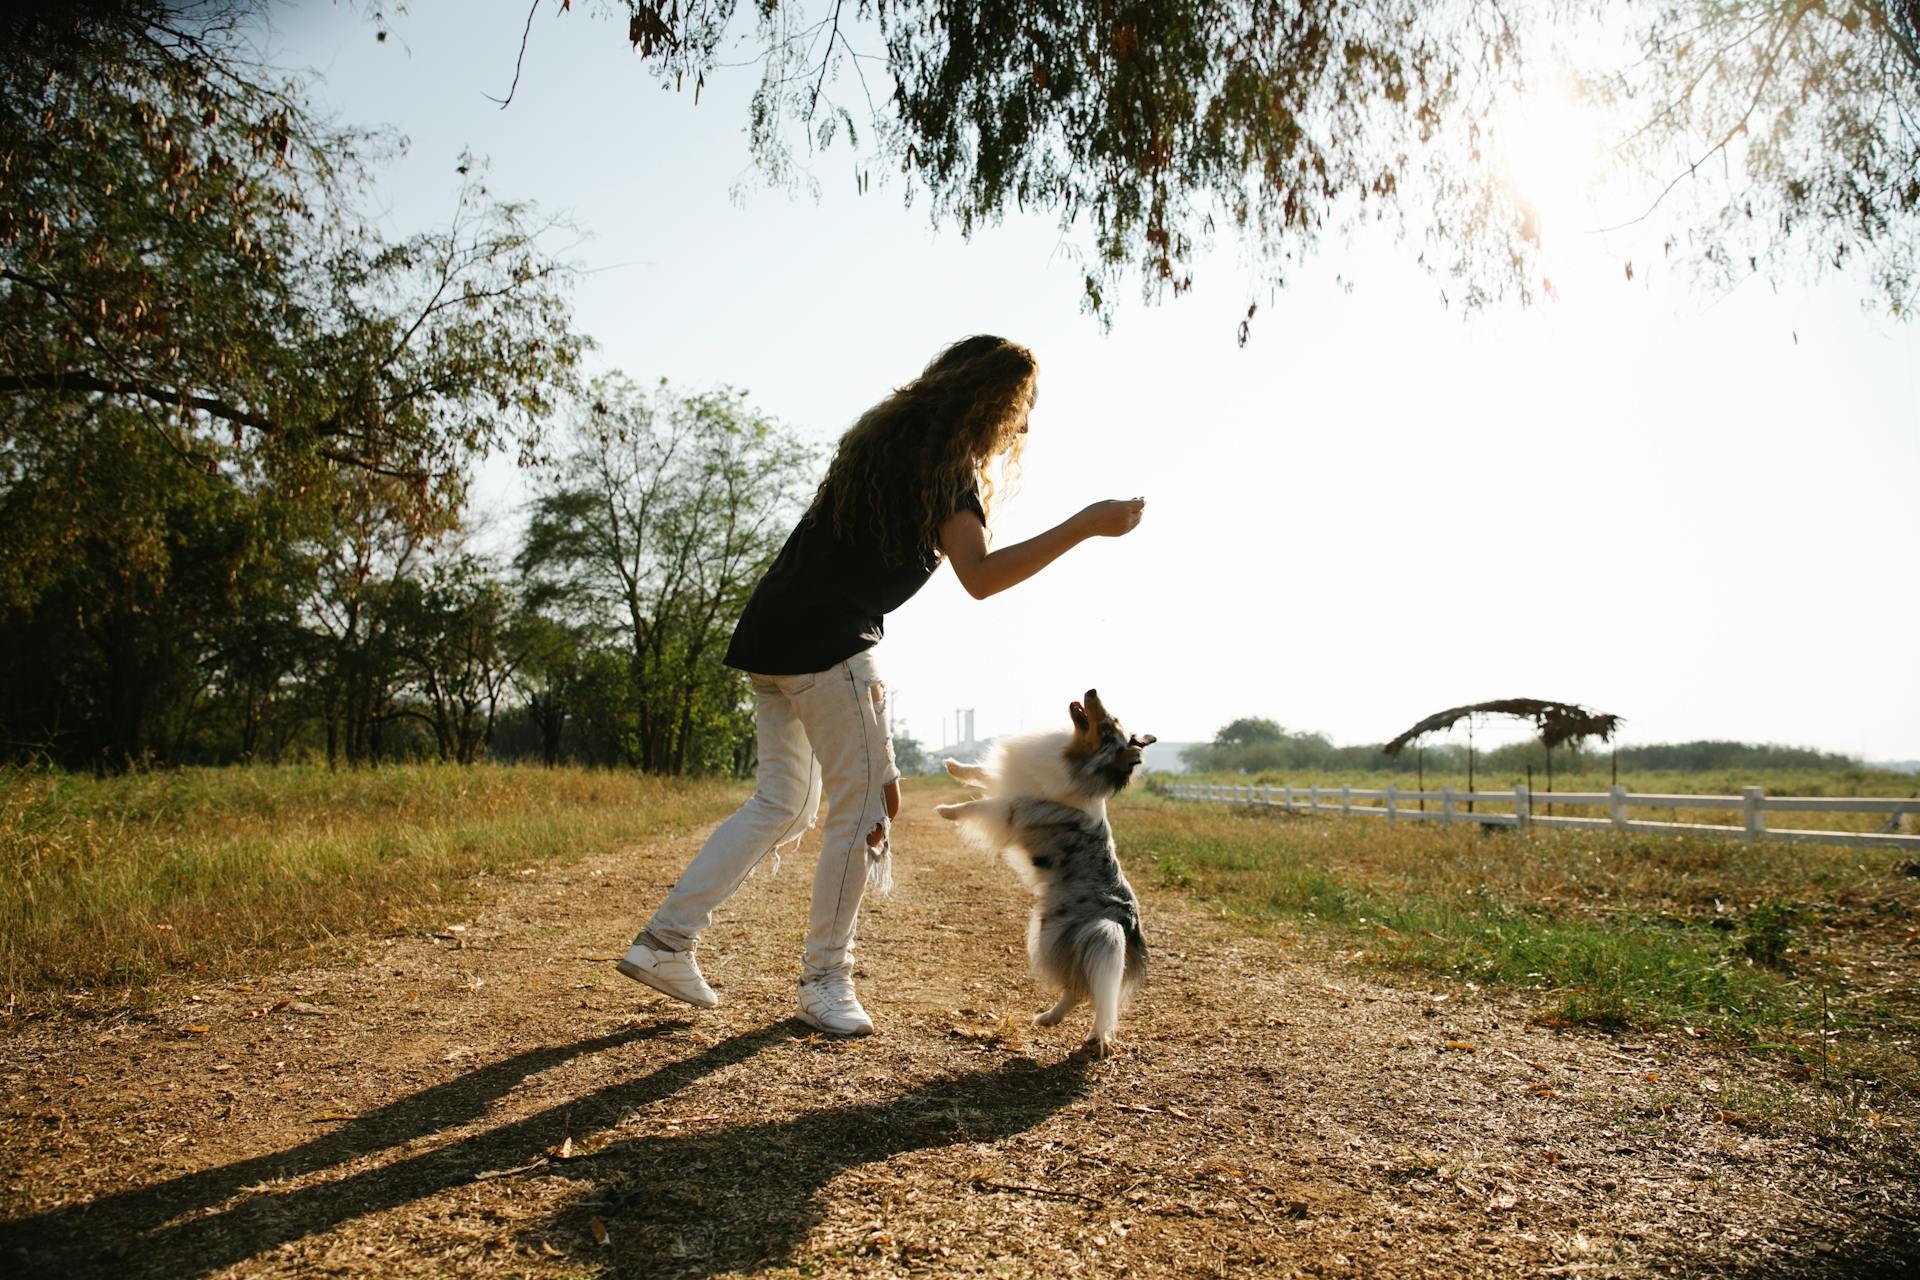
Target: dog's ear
{"x": 1079, "y": 714}
{"x": 1142, "y": 740}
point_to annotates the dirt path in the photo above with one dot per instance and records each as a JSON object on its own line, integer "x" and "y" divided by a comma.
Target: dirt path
{"x": 496, "y": 1100}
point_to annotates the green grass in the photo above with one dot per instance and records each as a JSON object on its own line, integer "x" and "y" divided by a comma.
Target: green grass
{"x": 108, "y": 884}
{"x": 1773, "y": 947}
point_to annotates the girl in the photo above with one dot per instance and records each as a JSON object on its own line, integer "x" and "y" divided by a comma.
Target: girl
{"x": 907, "y": 486}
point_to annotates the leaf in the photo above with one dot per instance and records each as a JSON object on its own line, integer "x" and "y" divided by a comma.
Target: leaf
{"x": 196, "y": 1031}
{"x": 563, "y": 1150}
{"x": 1460, "y": 1046}
{"x": 599, "y": 1229}
{"x": 308, "y": 1010}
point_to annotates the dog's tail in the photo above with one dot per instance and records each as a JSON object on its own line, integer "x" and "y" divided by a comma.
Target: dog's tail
{"x": 1099, "y": 955}
{"x": 1102, "y": 964}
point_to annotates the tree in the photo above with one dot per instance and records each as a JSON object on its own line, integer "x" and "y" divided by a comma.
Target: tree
{"x": 1252, "y": 744}
{"x": 366, "y": 559}
{"x": 909, "y": 754}
{"x": 233, "y": 417}
{"x": 656, "y": 521}
{"x": 456, "y": 639}
{"x": 178, "y": 237}
{"x": 1248, "y": 730}
{"x": 550, "y": 674}
{"x": 1146, "y": 126}
{"x": 132, "y": 588}
{"x": 1777, "y": 131}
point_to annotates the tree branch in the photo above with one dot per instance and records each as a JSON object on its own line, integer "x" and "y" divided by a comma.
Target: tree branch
{"x": 533, "y": 9}
{"x": 79, "y": 380}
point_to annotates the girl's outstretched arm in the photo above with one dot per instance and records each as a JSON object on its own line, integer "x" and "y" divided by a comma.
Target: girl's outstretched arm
{"x": 984, "y": 573}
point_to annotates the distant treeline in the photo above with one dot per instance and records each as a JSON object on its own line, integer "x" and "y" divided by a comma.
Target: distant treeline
{"x": 1254, "y": 745}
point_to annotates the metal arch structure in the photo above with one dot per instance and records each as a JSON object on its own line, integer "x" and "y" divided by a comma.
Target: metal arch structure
{"x": 1556, "y": 722}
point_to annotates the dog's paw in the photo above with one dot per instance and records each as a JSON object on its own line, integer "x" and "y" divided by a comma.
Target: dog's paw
{"x": 1049, "y": 1017}
{"x": 1099, "y": 1046}
{"x": 972, "y": 774}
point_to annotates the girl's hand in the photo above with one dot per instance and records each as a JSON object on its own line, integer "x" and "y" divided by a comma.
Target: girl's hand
{"x": 1114, "y": 517}
{"x": 892, "y": 794}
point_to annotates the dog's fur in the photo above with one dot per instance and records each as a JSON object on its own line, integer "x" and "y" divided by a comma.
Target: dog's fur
{"x": 1045, "y": 806}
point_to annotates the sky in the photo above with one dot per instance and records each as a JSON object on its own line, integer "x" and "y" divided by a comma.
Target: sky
{"x": 1699, "y": 511}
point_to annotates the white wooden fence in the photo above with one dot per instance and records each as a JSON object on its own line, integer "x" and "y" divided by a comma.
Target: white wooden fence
{"x": 1523, "y": 809}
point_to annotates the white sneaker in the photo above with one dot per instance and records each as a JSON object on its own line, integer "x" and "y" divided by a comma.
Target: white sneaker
{"x": 672, "y": 973}
{"x": 828, "y": 1003}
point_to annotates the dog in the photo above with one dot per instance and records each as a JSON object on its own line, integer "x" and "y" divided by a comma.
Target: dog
{"x": 1044, "y": 805}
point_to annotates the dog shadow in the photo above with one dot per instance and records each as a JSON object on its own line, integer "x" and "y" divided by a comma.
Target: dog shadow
{"x": 684, "y": 1206}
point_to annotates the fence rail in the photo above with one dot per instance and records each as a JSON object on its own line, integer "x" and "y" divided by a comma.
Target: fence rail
{"x": 1523, "y": 807}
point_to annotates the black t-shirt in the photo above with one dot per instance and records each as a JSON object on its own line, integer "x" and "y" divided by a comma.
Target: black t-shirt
{"x": 824, "y": 599}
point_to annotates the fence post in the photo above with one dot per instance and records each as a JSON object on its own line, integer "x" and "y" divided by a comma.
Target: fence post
{"x": 1617, "y": 806}
{"x": 1268, "y": 795}
{"x": 1393, "y": 793}
{"x": 1446, "y": 806}
{"x": 1286, "y": 796}
{"x": 1313, "y": 798}
{"x": 1346, "y": 798}
{"x": 1522, "y": 807}
{"x": 1753, "y": 807}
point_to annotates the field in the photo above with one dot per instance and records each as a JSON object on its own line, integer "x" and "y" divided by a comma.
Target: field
{"x": 393, "y": 1044}
{"x": 108, "y": 884}
{"x": 1804, "y": 952}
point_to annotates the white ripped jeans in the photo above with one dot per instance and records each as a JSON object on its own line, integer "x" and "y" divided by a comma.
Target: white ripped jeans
{"x": 823, "y": 731}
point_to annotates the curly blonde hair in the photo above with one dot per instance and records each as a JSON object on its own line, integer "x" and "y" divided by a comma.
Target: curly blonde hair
{"x": 911, "y": 460}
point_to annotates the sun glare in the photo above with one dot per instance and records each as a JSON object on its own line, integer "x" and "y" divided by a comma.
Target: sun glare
{"x": 1547, "y": 146}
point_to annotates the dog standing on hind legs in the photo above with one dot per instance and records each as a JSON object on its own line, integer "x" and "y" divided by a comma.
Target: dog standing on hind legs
{"x": 1044, "y": 805}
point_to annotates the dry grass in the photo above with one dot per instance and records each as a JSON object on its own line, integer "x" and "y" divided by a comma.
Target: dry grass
{"x": 109, "y": 884}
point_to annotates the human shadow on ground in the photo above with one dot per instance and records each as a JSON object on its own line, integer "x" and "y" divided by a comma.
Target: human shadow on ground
{"x": 108, "y": 1228}
{"x": 653, "y": 1182}
{"x": 705, "y": 1204}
